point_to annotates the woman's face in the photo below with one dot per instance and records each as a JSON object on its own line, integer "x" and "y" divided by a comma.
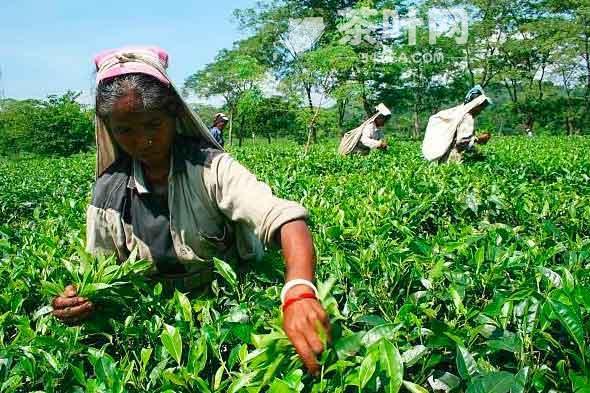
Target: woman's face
{"x": 380, "y": 121}
{"x": 146, "y": 136}
{"x": 478, "y": 109}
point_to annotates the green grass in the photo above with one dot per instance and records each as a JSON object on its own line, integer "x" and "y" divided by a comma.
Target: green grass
{"x": 474, "y": 277}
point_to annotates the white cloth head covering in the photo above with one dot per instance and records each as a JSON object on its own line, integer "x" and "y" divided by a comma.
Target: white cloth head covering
{"x": 383, "y": 110}
{"x": 123, "y": 61}
{"x": 441, "y": 129}
{"x": 351, "y": 138}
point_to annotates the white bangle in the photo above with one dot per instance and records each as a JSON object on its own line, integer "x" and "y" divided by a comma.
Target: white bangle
{"x": 293, "y": 283}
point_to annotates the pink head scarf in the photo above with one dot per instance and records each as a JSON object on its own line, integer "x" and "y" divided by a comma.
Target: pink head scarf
{"x": 148, "y": 60}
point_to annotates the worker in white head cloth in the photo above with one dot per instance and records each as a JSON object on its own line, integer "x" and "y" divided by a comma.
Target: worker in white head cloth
{"x": 451, "y": 132}
{"x": 368, "y": 136}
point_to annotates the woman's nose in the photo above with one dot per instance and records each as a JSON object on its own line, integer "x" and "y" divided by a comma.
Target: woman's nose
{"x": 143, "y": 139}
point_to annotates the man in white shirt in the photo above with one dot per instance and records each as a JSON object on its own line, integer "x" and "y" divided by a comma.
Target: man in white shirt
{"x": 219, "y": 122}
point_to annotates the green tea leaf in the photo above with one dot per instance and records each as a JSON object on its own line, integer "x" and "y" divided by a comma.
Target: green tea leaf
{"x": 226, "y": 271}
{"x": 172, "y": 341}
{"x": 217, "y": 378}
{"x": 388, "y": 331}
{"x": 580, "y": 383}
{"x": 241, "y": 381}
{"x": 520, "y": 380}
{"x": 411, "y": 356}
{"x": 184, "y": 306}
{"x": 347, "y": 346}
{"x": 171, "y": 376}
{"x": 367, "y": 369}
{"x": 52, "y": 289}
{"x": 197, "y": 356}
{"x": 413, "y": 388}
{"x": 391, "y": 361}
{"x": 496, "y": 382}
{"x": 466, "y": 365}
{"x": 203, "y": 386}
{"x": 551, "y": 276}
{"x": 571, "y": 321}
{"x": 146, "y": 353}
{"x": 279, "y": 386}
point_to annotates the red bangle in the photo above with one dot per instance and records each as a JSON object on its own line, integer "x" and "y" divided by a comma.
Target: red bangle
{"x": 292, "y": 300}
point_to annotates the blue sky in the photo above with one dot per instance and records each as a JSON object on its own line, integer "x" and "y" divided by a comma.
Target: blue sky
{"x": 46, "y": 46}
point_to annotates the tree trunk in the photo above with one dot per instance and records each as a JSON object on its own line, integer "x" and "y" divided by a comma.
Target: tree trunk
{"x": 366, "y": 105}
{"x": 568, "y": 120}
{"x": 312, "y": 136}
{"x": 311, "y": 132}
{"x": 587, "y": 61}
{"x": 510, "y": 85}
{"x": 231, "y": 123}
{"x": 416, "y": 123}
{"x": 241, "y": 132}
{"x": 530, "y": 122}
{"x": 469, "y": 66}
{"x": 341, "y": 104}
{"x": 540, "y": 81}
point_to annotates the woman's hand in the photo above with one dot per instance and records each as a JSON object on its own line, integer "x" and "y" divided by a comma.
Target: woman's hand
{"x": 70, "y": 308}
{"x": 302, "y": 321}
{"x": 303, "y": 318}
{"x": 483, "y": 138}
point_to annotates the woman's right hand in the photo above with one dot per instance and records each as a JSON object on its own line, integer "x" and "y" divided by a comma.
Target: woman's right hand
{"x": 70, "y": 308}
{"x": 483, "y": 138}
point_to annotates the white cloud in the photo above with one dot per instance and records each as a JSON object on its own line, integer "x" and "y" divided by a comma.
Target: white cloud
{"x": 216, "y": 101}
{"x": 270, "y": 85}
{"x": 86, "y": 98}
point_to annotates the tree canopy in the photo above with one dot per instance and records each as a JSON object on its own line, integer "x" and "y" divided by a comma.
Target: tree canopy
{"x": 337, "y": 59}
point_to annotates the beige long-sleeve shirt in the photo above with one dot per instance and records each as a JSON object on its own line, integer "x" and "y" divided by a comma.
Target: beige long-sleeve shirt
{"x": 466, "y": 132}
{"x": 215, "y": 208}
{"x": 372, "y": 136}
{"x": 464, "y": 140}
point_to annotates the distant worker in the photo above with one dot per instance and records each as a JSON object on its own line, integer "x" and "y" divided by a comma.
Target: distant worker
{"x": 219, "y": 122}
{"x": 368, "y": 136}
{"x": 450, "y": 133}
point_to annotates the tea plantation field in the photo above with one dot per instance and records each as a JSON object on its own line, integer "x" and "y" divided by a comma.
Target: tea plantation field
{"x": 471, "y": 278}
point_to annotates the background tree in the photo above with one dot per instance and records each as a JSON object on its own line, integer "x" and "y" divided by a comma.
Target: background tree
{"x": 58, "y": 125}
{"x": 232, "y": 75}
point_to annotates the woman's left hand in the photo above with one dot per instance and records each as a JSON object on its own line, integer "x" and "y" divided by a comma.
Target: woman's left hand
{"x": 301, "y": 321}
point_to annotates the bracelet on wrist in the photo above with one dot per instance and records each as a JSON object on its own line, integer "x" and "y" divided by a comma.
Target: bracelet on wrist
{"x": 295, "y": 299}
{"x": 295, "y": 282}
